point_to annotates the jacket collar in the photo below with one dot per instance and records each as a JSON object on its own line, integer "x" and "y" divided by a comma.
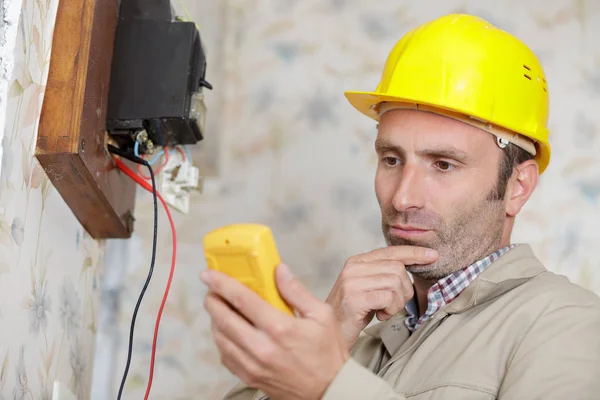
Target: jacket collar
{"x": 508, "y": 272}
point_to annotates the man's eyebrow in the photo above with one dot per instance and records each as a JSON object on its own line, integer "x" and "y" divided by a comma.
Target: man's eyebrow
{"x": 382, "y": 145}
{"x": 446, "y": 152}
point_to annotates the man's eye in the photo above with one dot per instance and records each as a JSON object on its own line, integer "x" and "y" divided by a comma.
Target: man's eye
{"x": 444, "y": 166}
{"x": 391, "y": 161}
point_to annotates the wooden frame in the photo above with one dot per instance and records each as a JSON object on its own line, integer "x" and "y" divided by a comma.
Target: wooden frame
{"x": 71, "y": 144}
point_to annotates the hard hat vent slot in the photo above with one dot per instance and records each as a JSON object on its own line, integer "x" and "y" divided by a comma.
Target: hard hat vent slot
{"x": 526, "y": 67}
{"x": 527, "y": 76}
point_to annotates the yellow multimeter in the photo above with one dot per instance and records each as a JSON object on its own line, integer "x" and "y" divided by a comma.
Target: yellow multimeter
{"x": 247, "y": 252}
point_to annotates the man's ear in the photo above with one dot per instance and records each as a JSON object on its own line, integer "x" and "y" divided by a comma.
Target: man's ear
{"x": 521, "y": 185}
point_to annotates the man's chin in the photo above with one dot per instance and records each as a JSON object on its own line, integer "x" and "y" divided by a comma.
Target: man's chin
{"x": 427, "y": 272}
{"x": 433, "y": 271}
{"x": 397, "y": 241}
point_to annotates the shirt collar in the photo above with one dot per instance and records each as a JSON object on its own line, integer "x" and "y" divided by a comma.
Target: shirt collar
{"x": 447, "y": 289}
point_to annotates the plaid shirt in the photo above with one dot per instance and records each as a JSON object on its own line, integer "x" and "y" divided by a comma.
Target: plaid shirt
{"x": 447, "y": 289}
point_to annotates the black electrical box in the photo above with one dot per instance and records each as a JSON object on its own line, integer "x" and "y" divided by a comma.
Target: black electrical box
{"x": 157, "y": 76}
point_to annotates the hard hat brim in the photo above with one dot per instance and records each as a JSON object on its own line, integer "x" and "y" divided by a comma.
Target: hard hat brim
{"x": 366, "y": 103}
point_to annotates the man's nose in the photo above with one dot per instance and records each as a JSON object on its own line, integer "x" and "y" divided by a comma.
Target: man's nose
{"x": 409, "y": 192}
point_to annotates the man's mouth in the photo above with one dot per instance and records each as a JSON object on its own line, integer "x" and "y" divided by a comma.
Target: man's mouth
{"x": 408, "y": 231}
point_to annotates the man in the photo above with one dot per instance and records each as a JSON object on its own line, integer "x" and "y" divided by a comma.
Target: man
{"x": 462, "y": 109}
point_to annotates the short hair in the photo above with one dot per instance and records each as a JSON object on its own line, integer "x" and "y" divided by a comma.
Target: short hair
{"x": 513, "y": 155}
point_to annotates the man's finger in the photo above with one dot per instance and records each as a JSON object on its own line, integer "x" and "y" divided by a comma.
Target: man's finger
{"x": 386, "y": 303}
{"x": 381, "y": 275}
{"x": 391, "y": 302}
{"x": 408, "y": 255}
{"x": 237, "y": 361}
{"x": 379, "y": 281}
{"x": 232, "y": 325}
{"x": 296, "y": 294}
{"x": 243, "y": 299}
{"x": 408, "y": 289}
{"x": 383, "y": 315}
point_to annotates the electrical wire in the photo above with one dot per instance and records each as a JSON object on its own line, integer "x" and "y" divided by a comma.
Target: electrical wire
{"x": 185, "y": 156}
{"x": 139, "y": 161}
{"x": 189, "y": 154}
{"x": 156, "y": 157}
{"x": 189, "y": 18}
{"x": 158, "y": 170}
{"x": 147, "y": 186}
{"x": 181, "y": 153}
{"x": 136, "y": 152}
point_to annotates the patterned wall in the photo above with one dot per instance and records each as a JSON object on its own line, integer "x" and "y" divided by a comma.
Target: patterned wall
{"x": 49, "y": 267}
{"x": 294, "y": 155}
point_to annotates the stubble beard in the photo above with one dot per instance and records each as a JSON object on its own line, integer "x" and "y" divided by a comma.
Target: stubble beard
{"x": 470, "y": 236}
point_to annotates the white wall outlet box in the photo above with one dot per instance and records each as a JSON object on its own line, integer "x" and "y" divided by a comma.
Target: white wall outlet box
{"x": 176, "y": 180}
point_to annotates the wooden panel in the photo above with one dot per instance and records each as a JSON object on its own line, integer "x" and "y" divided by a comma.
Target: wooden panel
{"x": 71, "y": 144}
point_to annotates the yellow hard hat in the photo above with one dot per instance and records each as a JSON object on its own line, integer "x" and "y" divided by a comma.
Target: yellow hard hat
{"x": 463, "y": 67}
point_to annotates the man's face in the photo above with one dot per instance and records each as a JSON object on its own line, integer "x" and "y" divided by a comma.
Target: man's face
{"x": 435, "y": 185}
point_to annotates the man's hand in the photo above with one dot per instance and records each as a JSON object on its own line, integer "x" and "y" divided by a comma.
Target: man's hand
{"x": 285, "y": 357}
{"x": 374, "y": 283}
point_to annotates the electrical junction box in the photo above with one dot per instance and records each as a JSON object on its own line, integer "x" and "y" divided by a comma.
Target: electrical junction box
{"x": 157, "y": 78}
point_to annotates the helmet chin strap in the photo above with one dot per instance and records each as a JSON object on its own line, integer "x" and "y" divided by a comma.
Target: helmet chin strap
{"x": 503, "y": 136}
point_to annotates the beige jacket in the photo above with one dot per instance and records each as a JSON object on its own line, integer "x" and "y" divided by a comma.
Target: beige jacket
{"x": 517, "y": 332}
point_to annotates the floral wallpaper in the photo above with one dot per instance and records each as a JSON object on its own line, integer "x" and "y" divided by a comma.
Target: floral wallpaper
{"x": 49, "y": 267}
{"x": 295, "y": 155}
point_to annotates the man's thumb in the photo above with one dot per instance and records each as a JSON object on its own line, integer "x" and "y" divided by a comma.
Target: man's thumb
{"x": 294, "y": 292}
